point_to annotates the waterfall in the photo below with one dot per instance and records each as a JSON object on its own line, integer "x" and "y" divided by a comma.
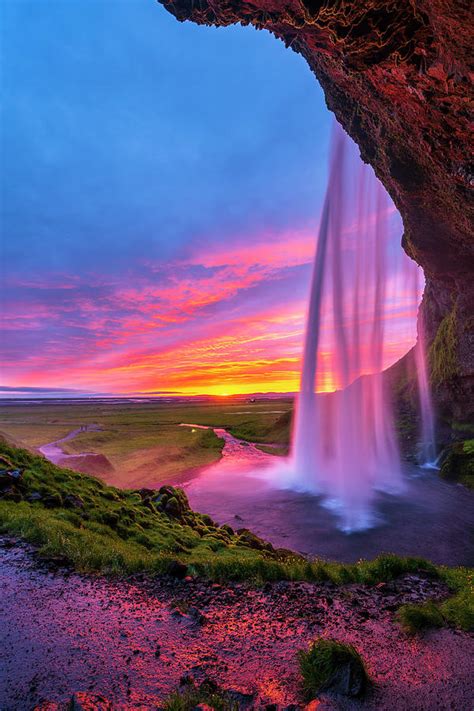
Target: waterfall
{"x": 344, "y": 445}
{"x": 428, "y": 455}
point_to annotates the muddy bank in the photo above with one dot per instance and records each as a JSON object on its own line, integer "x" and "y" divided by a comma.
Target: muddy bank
{"x": 85, "y": 462}
{"x": 133, "y": 640}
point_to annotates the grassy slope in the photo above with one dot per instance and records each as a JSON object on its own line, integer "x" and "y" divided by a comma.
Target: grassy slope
{"x": 123, "y": 531}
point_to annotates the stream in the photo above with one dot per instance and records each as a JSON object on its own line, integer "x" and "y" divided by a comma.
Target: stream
{"x": 55, "y": 454}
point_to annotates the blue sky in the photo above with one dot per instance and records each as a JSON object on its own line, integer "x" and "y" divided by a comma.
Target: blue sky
{"x": 135, "y": 149}
{"x": 125, "y": 130}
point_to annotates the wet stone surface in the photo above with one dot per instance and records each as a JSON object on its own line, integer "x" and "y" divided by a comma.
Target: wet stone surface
{"x": 132, "y": 641}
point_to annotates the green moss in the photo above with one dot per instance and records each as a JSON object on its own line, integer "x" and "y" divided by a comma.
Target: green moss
{"x": 457, "y": 610}
{"x": 443, "y": 355}
{"x": 323, "y": 661}
{"x": 191, "y": 696}
{"x": 415, "y": 618}
{"x": 458, "y": 463}
{"x": 463, "y": 427}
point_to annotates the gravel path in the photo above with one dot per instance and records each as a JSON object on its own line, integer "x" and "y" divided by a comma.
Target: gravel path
{"x": 131, "y": 642}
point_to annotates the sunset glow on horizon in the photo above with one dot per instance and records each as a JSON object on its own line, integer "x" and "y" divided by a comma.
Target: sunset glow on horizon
{"x": 235, "y": 326}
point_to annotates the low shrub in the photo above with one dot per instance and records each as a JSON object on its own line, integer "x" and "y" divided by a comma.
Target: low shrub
{"x": 331, "y": 666}
{"x": 415, "y": 618}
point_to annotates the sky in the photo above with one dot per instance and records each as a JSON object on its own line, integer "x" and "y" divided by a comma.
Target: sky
{"x": 161, "y": 194}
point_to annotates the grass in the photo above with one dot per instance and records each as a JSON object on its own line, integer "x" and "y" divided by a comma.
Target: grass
{"x": 274, "y": 430}
{"x": 277, "y": 451}
{"x": 98, "y": 528}
{"x": 208, "y": 694}
{"x": 321, "y": 666}
{"x": 143, "y": 441}
{"x": 416, "y": 618}
{"x": 457, "y": 610}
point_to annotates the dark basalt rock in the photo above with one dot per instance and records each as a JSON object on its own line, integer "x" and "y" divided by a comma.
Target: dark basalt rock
{"x": 177, "y": 569}
{"x": 348, "y": 680}
{"x": 72, "y": 501}
{"x": 397, "y": 75}
{"x": 10, "y": 478}
{"x": 11, "y": 484}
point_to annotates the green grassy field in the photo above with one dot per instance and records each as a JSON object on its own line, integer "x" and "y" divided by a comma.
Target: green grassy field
{"x": 139, "y": 438}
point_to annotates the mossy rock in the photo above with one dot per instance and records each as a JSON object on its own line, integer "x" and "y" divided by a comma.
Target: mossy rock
{"x": 250, "y": 540}
{"x": 332, "y": 667}
{"x": 228, "y": 529}
{"x": 207, "y": 521}
{"x": 458, "y": 463}
{"x": 109, "y": 518}
{"x": 52, "y": 500}
{"x": 172, "y": 507}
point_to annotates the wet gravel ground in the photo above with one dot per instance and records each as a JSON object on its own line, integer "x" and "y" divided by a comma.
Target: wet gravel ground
{"x": 133, "y": 640}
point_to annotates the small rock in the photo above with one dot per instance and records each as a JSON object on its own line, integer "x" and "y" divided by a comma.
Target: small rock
{"x": 84, "y": 701}
{"x": 146, "y": 493}
{"x": 239, "y": 699}
{"x": 348, "y": 680}
{"x": 197, "y": 616}
{"x": 34, "y": 496}
{"x": 177, "y": 569}
{"x": 72, "y": 501}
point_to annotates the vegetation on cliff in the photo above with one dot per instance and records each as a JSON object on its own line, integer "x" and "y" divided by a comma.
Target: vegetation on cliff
{"x": 458, "y": 463}
{"x": 443, "y": 355}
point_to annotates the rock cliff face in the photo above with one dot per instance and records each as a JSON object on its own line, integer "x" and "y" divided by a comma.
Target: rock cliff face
{"x": 396, "y": 74}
